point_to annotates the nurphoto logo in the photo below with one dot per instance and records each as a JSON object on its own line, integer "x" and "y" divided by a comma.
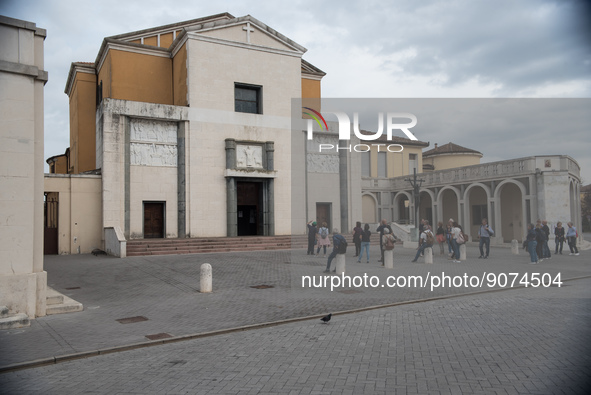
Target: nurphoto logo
{"x": 345, "y": 130}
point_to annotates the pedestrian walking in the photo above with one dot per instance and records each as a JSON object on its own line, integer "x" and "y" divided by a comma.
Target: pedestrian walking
{"x": 484, "y": 234}
{"x": 540, "y": 237}
{"x": 531, "y": 243}
{"x": 559, "y": 237}
{"x": 545, "y": 248}
{"x": 365, "y": 242}
{"x": 380, "y": 230}
{"x": 571, "y": 237}
{"x": 312, "y": 231}
{"x": 441, "y": 239}
{"x": 456, "y": 240}
{"x": 357, "y": 232}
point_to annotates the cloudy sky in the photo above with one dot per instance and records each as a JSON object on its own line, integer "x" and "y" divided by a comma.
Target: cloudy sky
{"x": 374, "y": 49}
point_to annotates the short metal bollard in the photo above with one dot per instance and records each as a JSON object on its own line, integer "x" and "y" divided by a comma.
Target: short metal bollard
{"x": 340, "y": 263}
{"x": 206, "y": 278}
{"x": 462, "y": 252}
{"x": 389, "y": 259}
{"x": 514, "y": 247}
{"x": 428, "y": 252}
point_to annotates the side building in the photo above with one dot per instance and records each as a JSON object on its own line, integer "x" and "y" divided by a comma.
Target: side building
{"x": 23, "y": 282}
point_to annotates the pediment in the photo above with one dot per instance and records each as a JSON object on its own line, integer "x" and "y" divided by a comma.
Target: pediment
{"x": 247, "y": 31}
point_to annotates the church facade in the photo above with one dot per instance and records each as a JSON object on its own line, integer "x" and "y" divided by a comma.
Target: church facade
{"x": 187, "y": 130}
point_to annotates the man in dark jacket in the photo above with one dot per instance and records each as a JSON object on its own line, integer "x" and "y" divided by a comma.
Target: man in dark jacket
{"x": 545, "y": 248}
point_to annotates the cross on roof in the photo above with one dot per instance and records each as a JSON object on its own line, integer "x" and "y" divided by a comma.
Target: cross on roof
{"x": 248, "y": 30}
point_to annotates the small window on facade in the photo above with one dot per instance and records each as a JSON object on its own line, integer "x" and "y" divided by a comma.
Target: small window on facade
{"x": 382, "y": 164}
{"x": 412, "y": 163}
{"x": 365, "y": 164}
{"x": 247, "y": 98}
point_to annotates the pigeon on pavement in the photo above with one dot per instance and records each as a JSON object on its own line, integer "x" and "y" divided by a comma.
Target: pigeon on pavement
{"x": 325, "y": 319}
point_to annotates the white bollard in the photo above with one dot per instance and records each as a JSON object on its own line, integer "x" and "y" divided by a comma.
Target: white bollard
{"x": 462, "y": 252}
{"x": 428, "y": 255}
{"x": 206, "y": 278}
{"x": 389, "y": 259}
{"x": 514, "y": 247}
{"x": 340, "y": 263}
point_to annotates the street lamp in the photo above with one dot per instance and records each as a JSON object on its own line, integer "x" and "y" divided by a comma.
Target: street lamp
{"x": 416, "y": 187}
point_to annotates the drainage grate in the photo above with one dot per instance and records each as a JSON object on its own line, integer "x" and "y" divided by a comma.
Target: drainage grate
{"x": 131, "y": 320}
{"x": 262, "y": 286}
{"x": 159, "y": 336}
{"x": 71, "y": 288}
{"x": 350, "y": 291}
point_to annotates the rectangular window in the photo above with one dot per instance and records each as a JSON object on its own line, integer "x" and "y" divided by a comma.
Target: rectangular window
{"x": 382, "y": 171}
{"x": 247, "y": 98}
{"x": 365, "y": 164}
{"x": 412, "y": 163}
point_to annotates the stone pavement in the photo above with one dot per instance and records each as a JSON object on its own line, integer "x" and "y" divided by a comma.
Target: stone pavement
{"x": 164, "y": 289}
{"x": 521, "y": 341}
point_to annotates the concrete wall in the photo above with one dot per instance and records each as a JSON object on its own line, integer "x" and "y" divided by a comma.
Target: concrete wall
{"x": 213, "y": 69}
{"x": 22, "y": 78}
{"x": 79, "y": 213}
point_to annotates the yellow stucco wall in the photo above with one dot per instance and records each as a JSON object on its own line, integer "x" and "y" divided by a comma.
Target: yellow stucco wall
{"x": 82, "y": 123}
{"x": 396, "y": 162}
{"x": 80, "y": 212}
{"x": 442, "y": 162}
{"x": 137, "y": 77}
{"x": 310, "y": 88}
{"x": 179, "y": 75}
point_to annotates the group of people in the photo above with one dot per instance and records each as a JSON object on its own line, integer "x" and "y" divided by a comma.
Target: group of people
{"x": 453, "y": 235}
{"x": 538, "y": 235}
{"x": 318, "y": 237}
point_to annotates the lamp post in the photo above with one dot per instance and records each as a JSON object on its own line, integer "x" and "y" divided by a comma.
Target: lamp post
{"x": 416, "y": 183}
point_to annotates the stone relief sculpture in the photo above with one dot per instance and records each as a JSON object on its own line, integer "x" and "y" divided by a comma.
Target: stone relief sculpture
{"x": 249, "y": 156}
{"x": 153, "y": 131}
{"x": 153, "y": 143}
{"x": 323, "y": 163}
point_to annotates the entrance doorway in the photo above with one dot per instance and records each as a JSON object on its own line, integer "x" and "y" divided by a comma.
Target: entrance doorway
{"x": 249, "y": 208}
{"x": 323, "y": 211}
{"x": 153, "y": 220}
{"x": 50, "y": 221}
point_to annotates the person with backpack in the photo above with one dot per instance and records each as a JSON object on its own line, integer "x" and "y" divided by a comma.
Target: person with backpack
{"x": 456, "y": 239}
{"x": 484, "y": 234}
{"x": 365, "y": 240}
{"x": 323, "y": 239}
{"x": 380, "y": 230}
{"x": 339, "y": 247}
{"x": 427, "y": 239}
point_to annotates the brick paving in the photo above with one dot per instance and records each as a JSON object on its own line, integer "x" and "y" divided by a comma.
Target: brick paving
{"x": 408, "y": 349}
{"x": 524, "y": 341}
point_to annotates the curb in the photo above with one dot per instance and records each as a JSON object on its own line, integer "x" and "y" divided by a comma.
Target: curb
{"x": 110, "y": 350}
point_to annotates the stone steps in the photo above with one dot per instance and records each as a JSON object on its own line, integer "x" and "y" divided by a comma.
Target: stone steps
{"x": 58, "y": 303}
{"x": 220, "y": 244}
{"x": 12, "y": 321}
